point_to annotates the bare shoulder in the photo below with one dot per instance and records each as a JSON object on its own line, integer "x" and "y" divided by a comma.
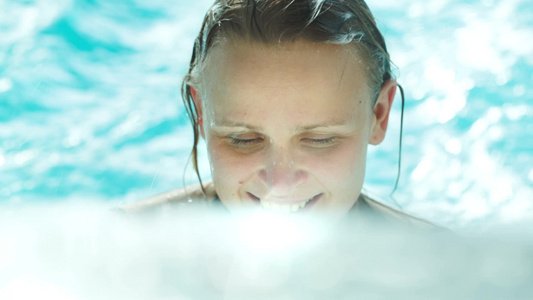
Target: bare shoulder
{"x": 396, "y": 216}
{"x": 177, "y": 196}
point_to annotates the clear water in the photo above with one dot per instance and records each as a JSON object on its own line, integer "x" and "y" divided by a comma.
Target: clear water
{"x": 90, "y": 106}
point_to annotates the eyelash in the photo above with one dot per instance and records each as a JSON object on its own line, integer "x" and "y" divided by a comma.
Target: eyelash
{"x": 245, "y": 142}
{"x": 249, "y": 142}
{"x": 321, "y": 141}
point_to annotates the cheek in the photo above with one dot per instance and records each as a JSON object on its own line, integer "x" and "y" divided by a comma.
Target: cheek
{"x": 342, "y": 164}
{"x": 228, "y": 167}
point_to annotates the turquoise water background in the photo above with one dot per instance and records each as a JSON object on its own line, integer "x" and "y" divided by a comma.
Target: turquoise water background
{"x": 90, "y": 106}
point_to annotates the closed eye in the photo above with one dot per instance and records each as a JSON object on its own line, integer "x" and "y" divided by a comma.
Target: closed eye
{"x": 324, "y": 141}
{"x": 245, "y": 142}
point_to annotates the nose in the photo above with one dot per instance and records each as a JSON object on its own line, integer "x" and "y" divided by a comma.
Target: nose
{"x": 281, "y": 172}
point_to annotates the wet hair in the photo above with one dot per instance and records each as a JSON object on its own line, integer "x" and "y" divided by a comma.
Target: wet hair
{"x": 272, "y": 22}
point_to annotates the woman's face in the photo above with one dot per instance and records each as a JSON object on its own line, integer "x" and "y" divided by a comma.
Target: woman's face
{"x": 287, "y": 127}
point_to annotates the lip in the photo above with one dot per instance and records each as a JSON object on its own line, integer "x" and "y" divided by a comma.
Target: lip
{"x": 287, "y": 201}
{"x": 312, "y": 202}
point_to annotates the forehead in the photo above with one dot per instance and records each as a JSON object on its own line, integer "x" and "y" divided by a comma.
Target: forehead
{"x": 300, "y": 78}
{"x": 230, "y": 56}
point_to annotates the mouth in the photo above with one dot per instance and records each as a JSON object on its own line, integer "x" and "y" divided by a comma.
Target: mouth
{"x": 287, "y": 207}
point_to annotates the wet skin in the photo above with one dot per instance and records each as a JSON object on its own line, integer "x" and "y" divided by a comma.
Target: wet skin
{"x": 290, "y": 123}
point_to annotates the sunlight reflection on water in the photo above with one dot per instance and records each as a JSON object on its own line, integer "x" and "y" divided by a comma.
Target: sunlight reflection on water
{"x": 90, "y": 105}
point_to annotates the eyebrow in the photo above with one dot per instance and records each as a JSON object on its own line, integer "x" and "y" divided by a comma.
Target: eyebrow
{"x": 228, "y": 123}
{"x": 328, "y": 124}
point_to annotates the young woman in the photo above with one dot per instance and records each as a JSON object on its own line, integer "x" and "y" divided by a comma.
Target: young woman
{"x": 288, "y": 94}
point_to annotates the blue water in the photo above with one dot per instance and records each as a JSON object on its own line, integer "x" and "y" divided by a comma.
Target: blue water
{"x": 90, "y": 106}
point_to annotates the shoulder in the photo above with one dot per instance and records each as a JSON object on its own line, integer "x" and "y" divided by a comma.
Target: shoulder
{"x": 183, "y": 196}
{"x": 376, "y": 211}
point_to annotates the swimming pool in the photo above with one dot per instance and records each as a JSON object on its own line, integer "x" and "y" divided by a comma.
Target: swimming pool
{"x": 90, "y": 106}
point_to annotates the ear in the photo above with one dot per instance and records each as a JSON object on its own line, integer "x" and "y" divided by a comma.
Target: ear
{"x": 382, "y": 109}
{"x": 199, "y": 112}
